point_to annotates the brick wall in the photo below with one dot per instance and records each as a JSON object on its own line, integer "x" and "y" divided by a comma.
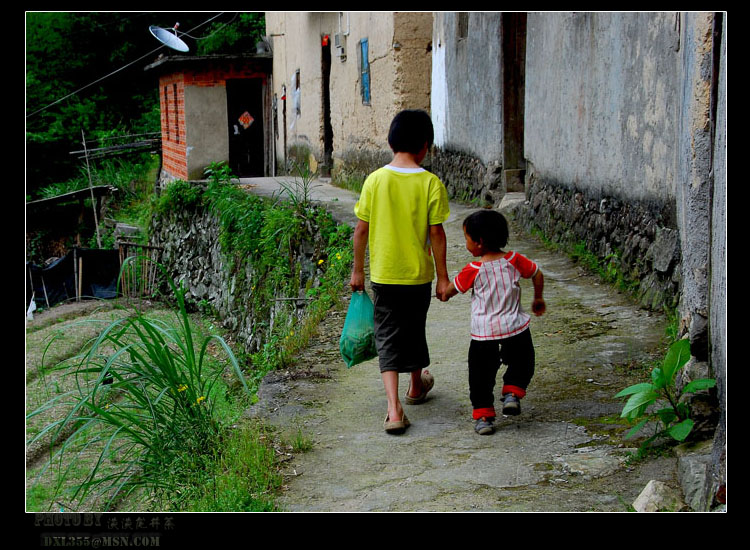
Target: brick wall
{"x": 172, "y": 104}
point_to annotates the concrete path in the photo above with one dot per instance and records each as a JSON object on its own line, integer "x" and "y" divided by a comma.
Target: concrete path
{"x": 563, "y": 453}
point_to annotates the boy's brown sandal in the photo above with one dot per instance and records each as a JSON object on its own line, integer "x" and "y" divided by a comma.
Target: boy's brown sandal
{"x": 428, "y": 381}
{"x": 396, "y": 426}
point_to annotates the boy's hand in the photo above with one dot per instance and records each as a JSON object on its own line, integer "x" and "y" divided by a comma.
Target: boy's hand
{"x": 442, "y": 288}
{"x": 446, "y": 292}
{"x": 357, "y": 281}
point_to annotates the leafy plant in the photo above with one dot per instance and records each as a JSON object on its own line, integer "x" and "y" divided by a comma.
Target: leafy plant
{"x": 674, "y": 418}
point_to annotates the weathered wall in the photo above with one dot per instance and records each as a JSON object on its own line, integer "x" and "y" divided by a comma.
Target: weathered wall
{"x": 718, "y": 296}
{"x": 602, "y": 136}
{"x": 620, "y": 112}
{"x": 205, "y": 128}
{"x": 694, "y": 175}
{"x": 467, "y": 104}
{"x": 399, "y": 59}
{"x": 601, "y": 102}
{"x": 701, "y": 206}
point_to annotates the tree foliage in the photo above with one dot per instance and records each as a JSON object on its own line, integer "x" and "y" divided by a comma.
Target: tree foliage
{"x": 85, "y": 72}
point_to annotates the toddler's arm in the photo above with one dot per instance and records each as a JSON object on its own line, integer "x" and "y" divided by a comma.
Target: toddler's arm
{"x": 450, "y": 292}
{"x": 538, "y": 306}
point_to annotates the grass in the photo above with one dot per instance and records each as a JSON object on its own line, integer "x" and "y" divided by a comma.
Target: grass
{"x": 135, "y": 409}
{"x": 141, "y": 393}
{"x": 113, "y": 446}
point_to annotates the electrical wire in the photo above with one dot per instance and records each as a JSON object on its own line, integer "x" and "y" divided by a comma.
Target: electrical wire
{"x": 121, "y": 68}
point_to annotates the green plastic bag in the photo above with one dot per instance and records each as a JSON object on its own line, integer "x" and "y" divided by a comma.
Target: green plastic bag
{"x": 357, "y": 343}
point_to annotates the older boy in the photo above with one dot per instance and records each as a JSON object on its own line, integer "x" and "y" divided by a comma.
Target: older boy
{"x": 401, "y": 211}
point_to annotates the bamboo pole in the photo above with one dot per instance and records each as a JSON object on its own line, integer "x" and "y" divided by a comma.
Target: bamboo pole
{"x": 91, "y": 188}
{"x": 80, "y": 278}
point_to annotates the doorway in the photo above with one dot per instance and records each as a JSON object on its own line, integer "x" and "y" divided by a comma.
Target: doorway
{"x": 245, "y": 122}
{"x": 327, "y": 165}
{"x": 514, "y": 79}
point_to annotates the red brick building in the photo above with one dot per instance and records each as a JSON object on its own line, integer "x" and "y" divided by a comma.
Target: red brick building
{"x": 215, "y": 109}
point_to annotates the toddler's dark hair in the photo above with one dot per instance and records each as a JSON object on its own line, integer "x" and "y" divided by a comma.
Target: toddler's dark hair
{"x": 410, "y": 130}
{"x": 488, "y": 227}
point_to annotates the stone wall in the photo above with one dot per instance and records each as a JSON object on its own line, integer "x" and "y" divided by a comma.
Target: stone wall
{"x": 193, "y": 255}
{"x": 638, "y": 237}
{"x": 467, "y": 178}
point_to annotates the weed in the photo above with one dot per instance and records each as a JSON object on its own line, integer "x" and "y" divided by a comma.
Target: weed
{"x": 301, "y": 443}
{"x": 674, "y": 419}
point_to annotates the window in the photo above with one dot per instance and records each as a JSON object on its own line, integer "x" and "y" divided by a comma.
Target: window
{"x": 364, "y": 65}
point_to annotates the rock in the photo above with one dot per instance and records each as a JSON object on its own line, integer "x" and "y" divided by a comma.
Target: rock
{"x": 693, "y": 472}
{"x": 658, "y": 497}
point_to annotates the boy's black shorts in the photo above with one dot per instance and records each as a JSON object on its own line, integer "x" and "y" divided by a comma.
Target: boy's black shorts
{"x": 400, "y": 326}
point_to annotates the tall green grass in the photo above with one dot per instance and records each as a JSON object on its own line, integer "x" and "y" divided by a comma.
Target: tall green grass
{"x": 145, "y": 397}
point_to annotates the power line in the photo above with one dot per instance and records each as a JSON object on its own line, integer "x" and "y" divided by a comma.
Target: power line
{"x": 115, "y": 71}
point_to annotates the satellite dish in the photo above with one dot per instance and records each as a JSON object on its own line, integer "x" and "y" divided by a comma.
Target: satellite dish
{"x": 168, "y": 38}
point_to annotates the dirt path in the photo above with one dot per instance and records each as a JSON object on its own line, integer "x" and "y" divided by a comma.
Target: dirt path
{"x": 563, "y": 453}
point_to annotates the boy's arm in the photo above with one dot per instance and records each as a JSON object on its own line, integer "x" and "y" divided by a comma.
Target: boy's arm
{"x": 538, "y": 306}
{"x": 439, "y": 244}
{"x": 361, "y": 235}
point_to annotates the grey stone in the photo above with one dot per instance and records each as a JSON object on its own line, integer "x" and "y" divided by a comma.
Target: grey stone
{"x": 657, "y": 496}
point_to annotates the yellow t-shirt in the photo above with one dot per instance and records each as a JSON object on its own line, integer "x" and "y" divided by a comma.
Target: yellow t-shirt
{"x": 400, "y": 205}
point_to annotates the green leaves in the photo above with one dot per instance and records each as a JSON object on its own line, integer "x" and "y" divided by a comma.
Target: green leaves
{"x": 641, "y": 397}
{"x": 677, "y": 356}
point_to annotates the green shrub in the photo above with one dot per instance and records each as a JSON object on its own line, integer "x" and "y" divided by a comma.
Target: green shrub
{"x": 673, "y": 420}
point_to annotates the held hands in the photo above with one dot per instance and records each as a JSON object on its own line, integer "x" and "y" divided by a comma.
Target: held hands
{"x": 444, "y": 289}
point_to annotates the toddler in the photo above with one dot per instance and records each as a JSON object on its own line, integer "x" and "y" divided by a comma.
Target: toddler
{"x": 499, "y": 326}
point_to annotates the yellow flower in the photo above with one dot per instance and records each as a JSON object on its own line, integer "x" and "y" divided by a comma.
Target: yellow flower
{"x": 320, "y": 261}
{"x": 182, "y": 387}
{"x": 201, "y": 398}
{"x": 338, "y": 256}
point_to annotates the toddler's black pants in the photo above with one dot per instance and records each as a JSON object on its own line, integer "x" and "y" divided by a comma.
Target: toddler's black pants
{"x": 485, "y": 357}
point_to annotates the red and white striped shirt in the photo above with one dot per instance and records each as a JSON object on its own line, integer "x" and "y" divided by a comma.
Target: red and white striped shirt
{"x": 496, "y": 311}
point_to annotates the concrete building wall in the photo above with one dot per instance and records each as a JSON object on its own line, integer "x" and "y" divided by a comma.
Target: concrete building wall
{"x": 399, "y": 65}
{"x": 205, "y": 128}
{"x": 467, "y": 84}
{"x": 602, "y": 108}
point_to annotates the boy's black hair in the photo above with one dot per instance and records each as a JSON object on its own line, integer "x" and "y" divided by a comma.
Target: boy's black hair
{"x": 410, "y": 130}
{"x": 488, "y": 227}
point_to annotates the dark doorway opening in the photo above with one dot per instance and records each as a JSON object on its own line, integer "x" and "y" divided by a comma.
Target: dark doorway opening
{"x": 325, "y": 169}
{"x": 514, "y": 79}
{"x": 245, "y": 111}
